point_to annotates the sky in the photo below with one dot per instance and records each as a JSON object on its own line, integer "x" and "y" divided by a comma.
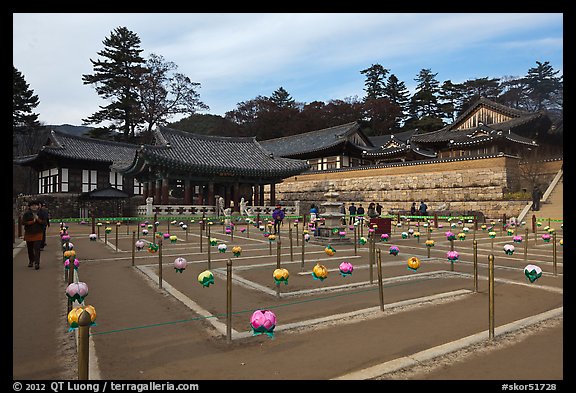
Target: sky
{"x": 237, "y": 57}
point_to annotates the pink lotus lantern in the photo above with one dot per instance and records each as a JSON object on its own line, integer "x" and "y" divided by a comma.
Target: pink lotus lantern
{"x": 517, "y": 239}
{"x": 93, "y": 237}
{"x": 140, "y": 245}
{"x": 450, "y": 235}
{"x": 346, "y": 268}
{"x": 384, "y": 237}
{"x": 180, "y": 264}
{"x": 65, "y": 238}
{"x": 74, "y": 263}
{"x": 77, "y": 291}
{"x": 142, "y": 225}
{"x": 394, "y": 250}
{"x": 452, "y": 256}
{"x": 546, "y": 237}
{"x": 166, "y": 236}
{"x": 263, "y": 321}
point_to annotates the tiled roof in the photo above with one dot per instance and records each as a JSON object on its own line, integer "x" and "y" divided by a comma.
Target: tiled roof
{"x": 310, "y": 142}
{"x": 212, "y": 155}
{"x": 481, "y": 133}
{"x": 73, "y": 147}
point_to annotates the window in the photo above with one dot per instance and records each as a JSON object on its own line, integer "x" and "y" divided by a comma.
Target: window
{"x": 116, "y": 180}
{"x": 88, "y": 180}
{"x": 48, "y": 181}
{"x": 138, "y": 187}
{"x": 64, "y": 181}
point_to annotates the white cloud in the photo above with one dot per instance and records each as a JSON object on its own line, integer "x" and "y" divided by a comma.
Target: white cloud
{"x": 236, "y": 57}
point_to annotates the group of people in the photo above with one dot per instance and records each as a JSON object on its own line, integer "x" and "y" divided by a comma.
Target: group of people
{"x": 35, "y": 220}
{"x": 422, "y": 209}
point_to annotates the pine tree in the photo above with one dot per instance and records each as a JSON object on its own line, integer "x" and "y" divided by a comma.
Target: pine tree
{"x": 375, "y": 81}
{"x": 282, "y": 98}
{"x": 116, "y": 78}
{"x": 542, "y": 83}
{"x": 23, "y": 103}
{"x": 424, "y": 106}
{"x": 397, "y": 93}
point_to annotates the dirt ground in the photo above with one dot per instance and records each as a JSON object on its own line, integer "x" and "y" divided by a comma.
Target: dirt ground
{"x": 144, "y": 332}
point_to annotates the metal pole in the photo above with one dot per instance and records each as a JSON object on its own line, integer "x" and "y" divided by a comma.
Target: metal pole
{"x": 297, "y": 237}
{"x": 355, "y": 240}
{"x": 554, "y": 253}
{"x": 160, "y": 263}
{"x": 526, "y": 245}
{"x": 229, "y": 300}
{"x": 186, "y": 230}
{"x": 278, "y": 253}
{"x": 475, "y": 247}
{"x": 70, "y": 281}
{"x": 201, "y": 230}
{"x": 451, "y": 249}
{"x": 116, "y": 233}
{"x": 84, "y": 321}
{"x": 491, "y": 297}
{"x": 380, "y": 287}
{"x": 133, "y": 246}
{"x": 302, "y": 265}
{"x": 209, "y": 251}
{"x": 291, "y": 250}
{"x": 371, "y": 256}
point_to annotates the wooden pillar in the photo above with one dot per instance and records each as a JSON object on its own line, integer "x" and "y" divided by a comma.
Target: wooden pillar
{"x": 188, "y": 188}
{"x": 261, "y": 194}
{"x": 256, "y": 196}
{"x": 200, "y": 199}
{"x": 152, "y": 189}
{"x": 272, "y": 194}
{"x": 236, "y": 197}
{"x": 158, "y": 192}
{"x": 210, "y": 197}
{"x": 227, "y": 195}
{"x": 165, "y": 191}
{"x": 145, "y": 189}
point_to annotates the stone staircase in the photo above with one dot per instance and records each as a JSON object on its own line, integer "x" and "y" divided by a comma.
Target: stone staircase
{"x": 551, "y": 205}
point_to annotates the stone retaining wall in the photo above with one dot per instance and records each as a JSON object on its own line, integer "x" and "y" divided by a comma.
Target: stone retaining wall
{"x": 479, "y": 184}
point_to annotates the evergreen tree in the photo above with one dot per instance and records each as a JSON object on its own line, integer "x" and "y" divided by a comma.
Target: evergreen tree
{"x": 424, "y": 107}
{"x": 397, "y": 93}
{"x": 450, "y": 97}
{"x": 23, "y": 103}
{"x": 542, "y": 82}
{"x": 116, "y": 78}
{"x": 375, "y": 81}
{"x": 282, "y": 99}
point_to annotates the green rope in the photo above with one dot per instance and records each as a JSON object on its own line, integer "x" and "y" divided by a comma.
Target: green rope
{"x": 252, "y": 310}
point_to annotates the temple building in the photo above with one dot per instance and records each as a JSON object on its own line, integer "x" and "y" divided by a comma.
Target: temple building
{"x": 486, "y": 128}
{"x": 178, "y": 167}
{"x": 199, "y": 167}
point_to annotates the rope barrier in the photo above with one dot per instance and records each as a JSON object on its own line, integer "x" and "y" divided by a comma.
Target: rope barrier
{"x": 252, "y": 310}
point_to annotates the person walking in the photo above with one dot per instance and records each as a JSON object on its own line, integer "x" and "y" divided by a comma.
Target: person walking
{"x": 536, "y": 196}
{"x": 45, "y": 215}
{"x": 352, "y": 211}
{"x": 33, "y": 227}
{"x": 278, "y": 215}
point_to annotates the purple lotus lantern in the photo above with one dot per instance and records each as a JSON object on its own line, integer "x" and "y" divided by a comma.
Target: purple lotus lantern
{"x": 180, "y": 264}
{"x": 77, "y": 291}
{"x": 346, "y": 268}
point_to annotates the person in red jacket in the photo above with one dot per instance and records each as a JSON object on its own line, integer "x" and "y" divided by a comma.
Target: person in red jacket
{"x": 33, "y": 231}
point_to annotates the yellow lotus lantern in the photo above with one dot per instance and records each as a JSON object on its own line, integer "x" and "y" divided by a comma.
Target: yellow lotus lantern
{"x": 281, "y": 275}
{"x": 319, "y": 272}
{"x": 74, "y": 316}
{"x": 413, "y": 263}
